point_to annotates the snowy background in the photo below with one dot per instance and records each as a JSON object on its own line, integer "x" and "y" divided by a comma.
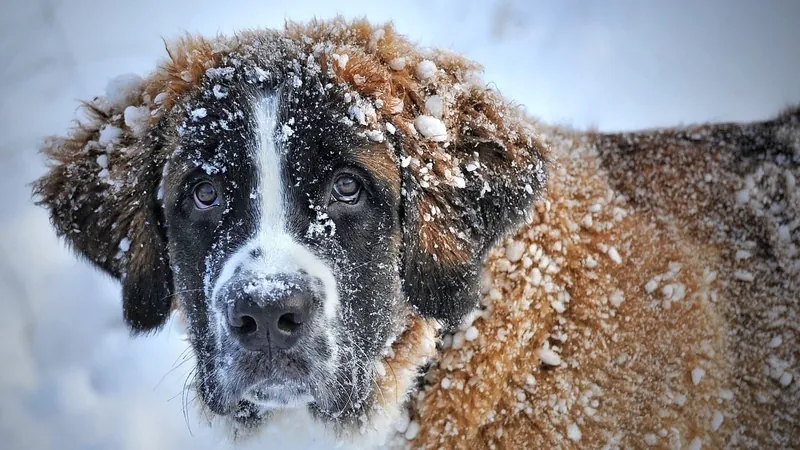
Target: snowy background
{"x": 70, "y": 378}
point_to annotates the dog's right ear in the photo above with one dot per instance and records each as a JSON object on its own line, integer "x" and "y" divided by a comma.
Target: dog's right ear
{"x": 101, "y": 192}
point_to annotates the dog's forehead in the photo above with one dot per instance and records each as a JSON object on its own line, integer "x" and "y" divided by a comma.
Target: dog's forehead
{"x": 217, "y": 129}
{"x": 220, "y": 122}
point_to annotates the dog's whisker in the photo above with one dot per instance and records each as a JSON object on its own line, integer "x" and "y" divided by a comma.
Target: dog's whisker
{"x": 184, "y": 356}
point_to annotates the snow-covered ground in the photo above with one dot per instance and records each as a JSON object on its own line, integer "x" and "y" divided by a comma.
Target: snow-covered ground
{"x": 70, "y": 378}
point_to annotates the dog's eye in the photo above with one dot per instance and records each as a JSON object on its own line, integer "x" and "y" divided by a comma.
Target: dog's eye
{"x": 346, "y": 189}
{"x": 205, "y": 195}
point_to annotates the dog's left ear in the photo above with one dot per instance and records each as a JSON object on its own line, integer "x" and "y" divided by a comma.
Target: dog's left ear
{"x": 456, "y": 208}
{"x": 101, "y": 194}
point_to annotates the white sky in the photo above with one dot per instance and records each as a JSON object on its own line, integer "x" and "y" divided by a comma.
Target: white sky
{"x": 69, "y": 376}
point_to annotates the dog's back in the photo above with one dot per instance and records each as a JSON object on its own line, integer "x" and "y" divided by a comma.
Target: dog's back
{"x": 653, "y": 301}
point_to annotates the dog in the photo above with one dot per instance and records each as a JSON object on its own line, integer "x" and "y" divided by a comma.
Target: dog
{"x": 365, "y": 239}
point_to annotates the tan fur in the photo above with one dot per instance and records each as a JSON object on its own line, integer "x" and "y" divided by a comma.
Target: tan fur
{"x": 413, "y": 348}
{"x": 189, "y": 58}
{"x": 437, "y": 240}
{"x": 625, "y": 377}
{"x": 383, "y": 165}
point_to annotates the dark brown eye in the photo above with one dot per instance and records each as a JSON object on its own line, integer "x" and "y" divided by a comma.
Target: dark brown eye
{"x": 205, "y": 195}
{"x": 346, "y": 189}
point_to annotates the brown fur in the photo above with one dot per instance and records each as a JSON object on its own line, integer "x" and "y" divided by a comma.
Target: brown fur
{"x": 635, "y": 359}
{"x": 415, "y": 346}
{"x": 383, "y": 165}
{"x": 189, "y": 58}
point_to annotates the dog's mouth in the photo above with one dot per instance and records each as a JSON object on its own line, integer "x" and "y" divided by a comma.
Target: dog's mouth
{"x": 243, "y": 383}
{"x": 259, "y": 401}
{"x": 337, "y": 397}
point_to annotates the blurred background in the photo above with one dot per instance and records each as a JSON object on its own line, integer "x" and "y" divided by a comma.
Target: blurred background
{"x": 71, "y": 378}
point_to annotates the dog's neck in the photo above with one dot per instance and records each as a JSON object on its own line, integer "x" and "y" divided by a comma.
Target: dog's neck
{"x": 526, "y": 292}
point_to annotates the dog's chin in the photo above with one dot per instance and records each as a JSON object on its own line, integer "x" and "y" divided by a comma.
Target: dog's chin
{"x": 265, "y": 398}
{"x": 269, "y": 396}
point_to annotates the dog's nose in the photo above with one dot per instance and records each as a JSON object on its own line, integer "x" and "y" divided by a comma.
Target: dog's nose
{"x": 275, "y": 317}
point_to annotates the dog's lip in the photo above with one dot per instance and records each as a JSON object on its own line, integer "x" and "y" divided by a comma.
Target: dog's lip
{"x": 246, "y": 413}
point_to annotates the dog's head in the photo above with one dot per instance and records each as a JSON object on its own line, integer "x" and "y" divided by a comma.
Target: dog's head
{"x": 315, "y": 202}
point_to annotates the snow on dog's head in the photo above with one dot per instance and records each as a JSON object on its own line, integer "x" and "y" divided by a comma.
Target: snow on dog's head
{"x": 316, "y": 201}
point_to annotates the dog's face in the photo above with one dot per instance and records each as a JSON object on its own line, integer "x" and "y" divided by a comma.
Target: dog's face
{"x": 283, "y": 231}
{"x": 300, "y": 228}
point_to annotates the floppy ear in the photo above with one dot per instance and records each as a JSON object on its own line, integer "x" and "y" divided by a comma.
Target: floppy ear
{"x": 454, "y": 216}
{"x": 101, "y": 195}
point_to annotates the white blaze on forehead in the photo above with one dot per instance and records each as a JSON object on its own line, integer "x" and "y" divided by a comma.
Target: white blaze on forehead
{"x": 278, "y": 251}
{"x": 271, "y": 201}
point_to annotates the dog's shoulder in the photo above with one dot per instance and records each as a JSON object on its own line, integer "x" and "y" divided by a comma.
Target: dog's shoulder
{"x": 641, "y": 303}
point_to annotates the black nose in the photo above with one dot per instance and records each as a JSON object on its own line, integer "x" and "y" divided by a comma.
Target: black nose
{"x": 260, "y": 318}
